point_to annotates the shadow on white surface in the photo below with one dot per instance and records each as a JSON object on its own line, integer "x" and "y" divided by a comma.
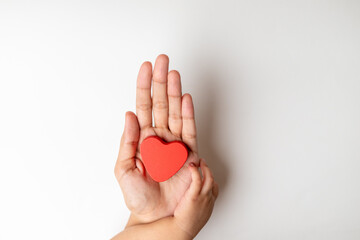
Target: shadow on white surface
{"x": 207, "y": 113}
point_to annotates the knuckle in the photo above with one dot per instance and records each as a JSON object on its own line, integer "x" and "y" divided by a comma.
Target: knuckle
{"x": 194, "y": 197}
{"x": 174, "y": 116}
{"x": 158, "y": 78}
{"x": 118, "y": 171}
{"x": 160, "y": 105}
{"x": 143, "y": 106}
{"x": 188, "y": 119}
{"x": 121, "y": 169}
{"x": 148, "y": 125}
{"x": 131, "y": 143}
{"x": 206, "y": 198}
{"x": 176, "y": 133}
{"x": 189, "y": 135}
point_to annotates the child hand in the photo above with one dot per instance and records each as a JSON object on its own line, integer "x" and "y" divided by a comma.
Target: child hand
{"x": 195, "y": 208}
{"x": 190, "y": 216}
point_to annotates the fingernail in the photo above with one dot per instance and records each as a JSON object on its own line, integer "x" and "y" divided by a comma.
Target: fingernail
{"x": 192, "y": 164}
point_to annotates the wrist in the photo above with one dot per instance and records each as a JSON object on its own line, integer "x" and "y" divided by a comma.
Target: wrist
{"x": 172, "y": 225}
{"x": 181, "y": 230}
{"x": 134, "y": 220}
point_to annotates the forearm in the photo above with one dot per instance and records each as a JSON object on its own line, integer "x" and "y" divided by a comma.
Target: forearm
{"x": 163, "y": 229}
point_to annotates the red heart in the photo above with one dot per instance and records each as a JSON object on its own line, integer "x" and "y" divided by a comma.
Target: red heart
{"x": 162, "y": 160}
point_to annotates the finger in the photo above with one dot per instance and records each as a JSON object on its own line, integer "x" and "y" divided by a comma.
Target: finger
{"x": 195, "y": 186}
{"x": 215, "y": 190}
{"x": 174, "y": 96}
{"x": 143, "y": 95}
{"x": 208, "y": 179}
{"x": 160, "y": 99}
{"x": 128, "y": 145}
{"x": 188, "y": 123}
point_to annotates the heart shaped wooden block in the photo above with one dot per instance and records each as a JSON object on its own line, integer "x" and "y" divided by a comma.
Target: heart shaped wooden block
{"x": 161, "y": 159}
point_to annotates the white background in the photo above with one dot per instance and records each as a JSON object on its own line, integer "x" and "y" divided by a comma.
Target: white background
{"x": 276, "y": 86}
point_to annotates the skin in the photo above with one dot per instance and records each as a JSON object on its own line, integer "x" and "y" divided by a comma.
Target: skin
{"x": 192, "y": 213}
{"x": 195, "y": 208}
{"x": 174, "y": 119}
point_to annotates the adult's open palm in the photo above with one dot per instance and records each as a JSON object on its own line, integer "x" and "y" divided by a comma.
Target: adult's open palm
{"x": 173, "y": 120}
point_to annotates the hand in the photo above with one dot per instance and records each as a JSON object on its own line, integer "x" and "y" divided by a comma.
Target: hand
{"x": 195, "y": 209}
{"x": 173, "y": 120}
{"x": 192, "y": 213}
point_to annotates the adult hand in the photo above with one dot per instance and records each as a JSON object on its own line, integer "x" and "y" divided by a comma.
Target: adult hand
{"x": 173, "y": 120}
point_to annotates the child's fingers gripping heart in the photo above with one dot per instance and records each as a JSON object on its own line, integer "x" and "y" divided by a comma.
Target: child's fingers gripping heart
{"x": 205, "y": 186}
{"x": 196, "y": 208}
{"x": 195, "y": 186}
{"x": 209, "y": 185}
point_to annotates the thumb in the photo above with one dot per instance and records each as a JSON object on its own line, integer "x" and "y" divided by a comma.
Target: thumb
{"x": 128, "y": 145}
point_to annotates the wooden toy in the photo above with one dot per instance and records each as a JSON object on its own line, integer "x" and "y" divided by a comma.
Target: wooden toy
{"x": 161, "y": 159}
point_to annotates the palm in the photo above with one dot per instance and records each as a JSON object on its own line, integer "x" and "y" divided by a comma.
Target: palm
{"x": 174, "y": 120}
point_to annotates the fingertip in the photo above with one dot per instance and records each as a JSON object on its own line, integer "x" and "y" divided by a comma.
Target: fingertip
{"x": 144, "y": 76}
{"x": 130, "y": 117}
{"x": 146, "y": 64}
{"x": 161, "y": 67}
{"x": 174, "y": 73}
{"x": 187, "y": 98}
{"x": 131, "y": 124}
{"x": 129, "y": 114}
{"x": 187, "y": 106}
{"x": 162, "y": 57}
{"x": 174, "y": 84}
